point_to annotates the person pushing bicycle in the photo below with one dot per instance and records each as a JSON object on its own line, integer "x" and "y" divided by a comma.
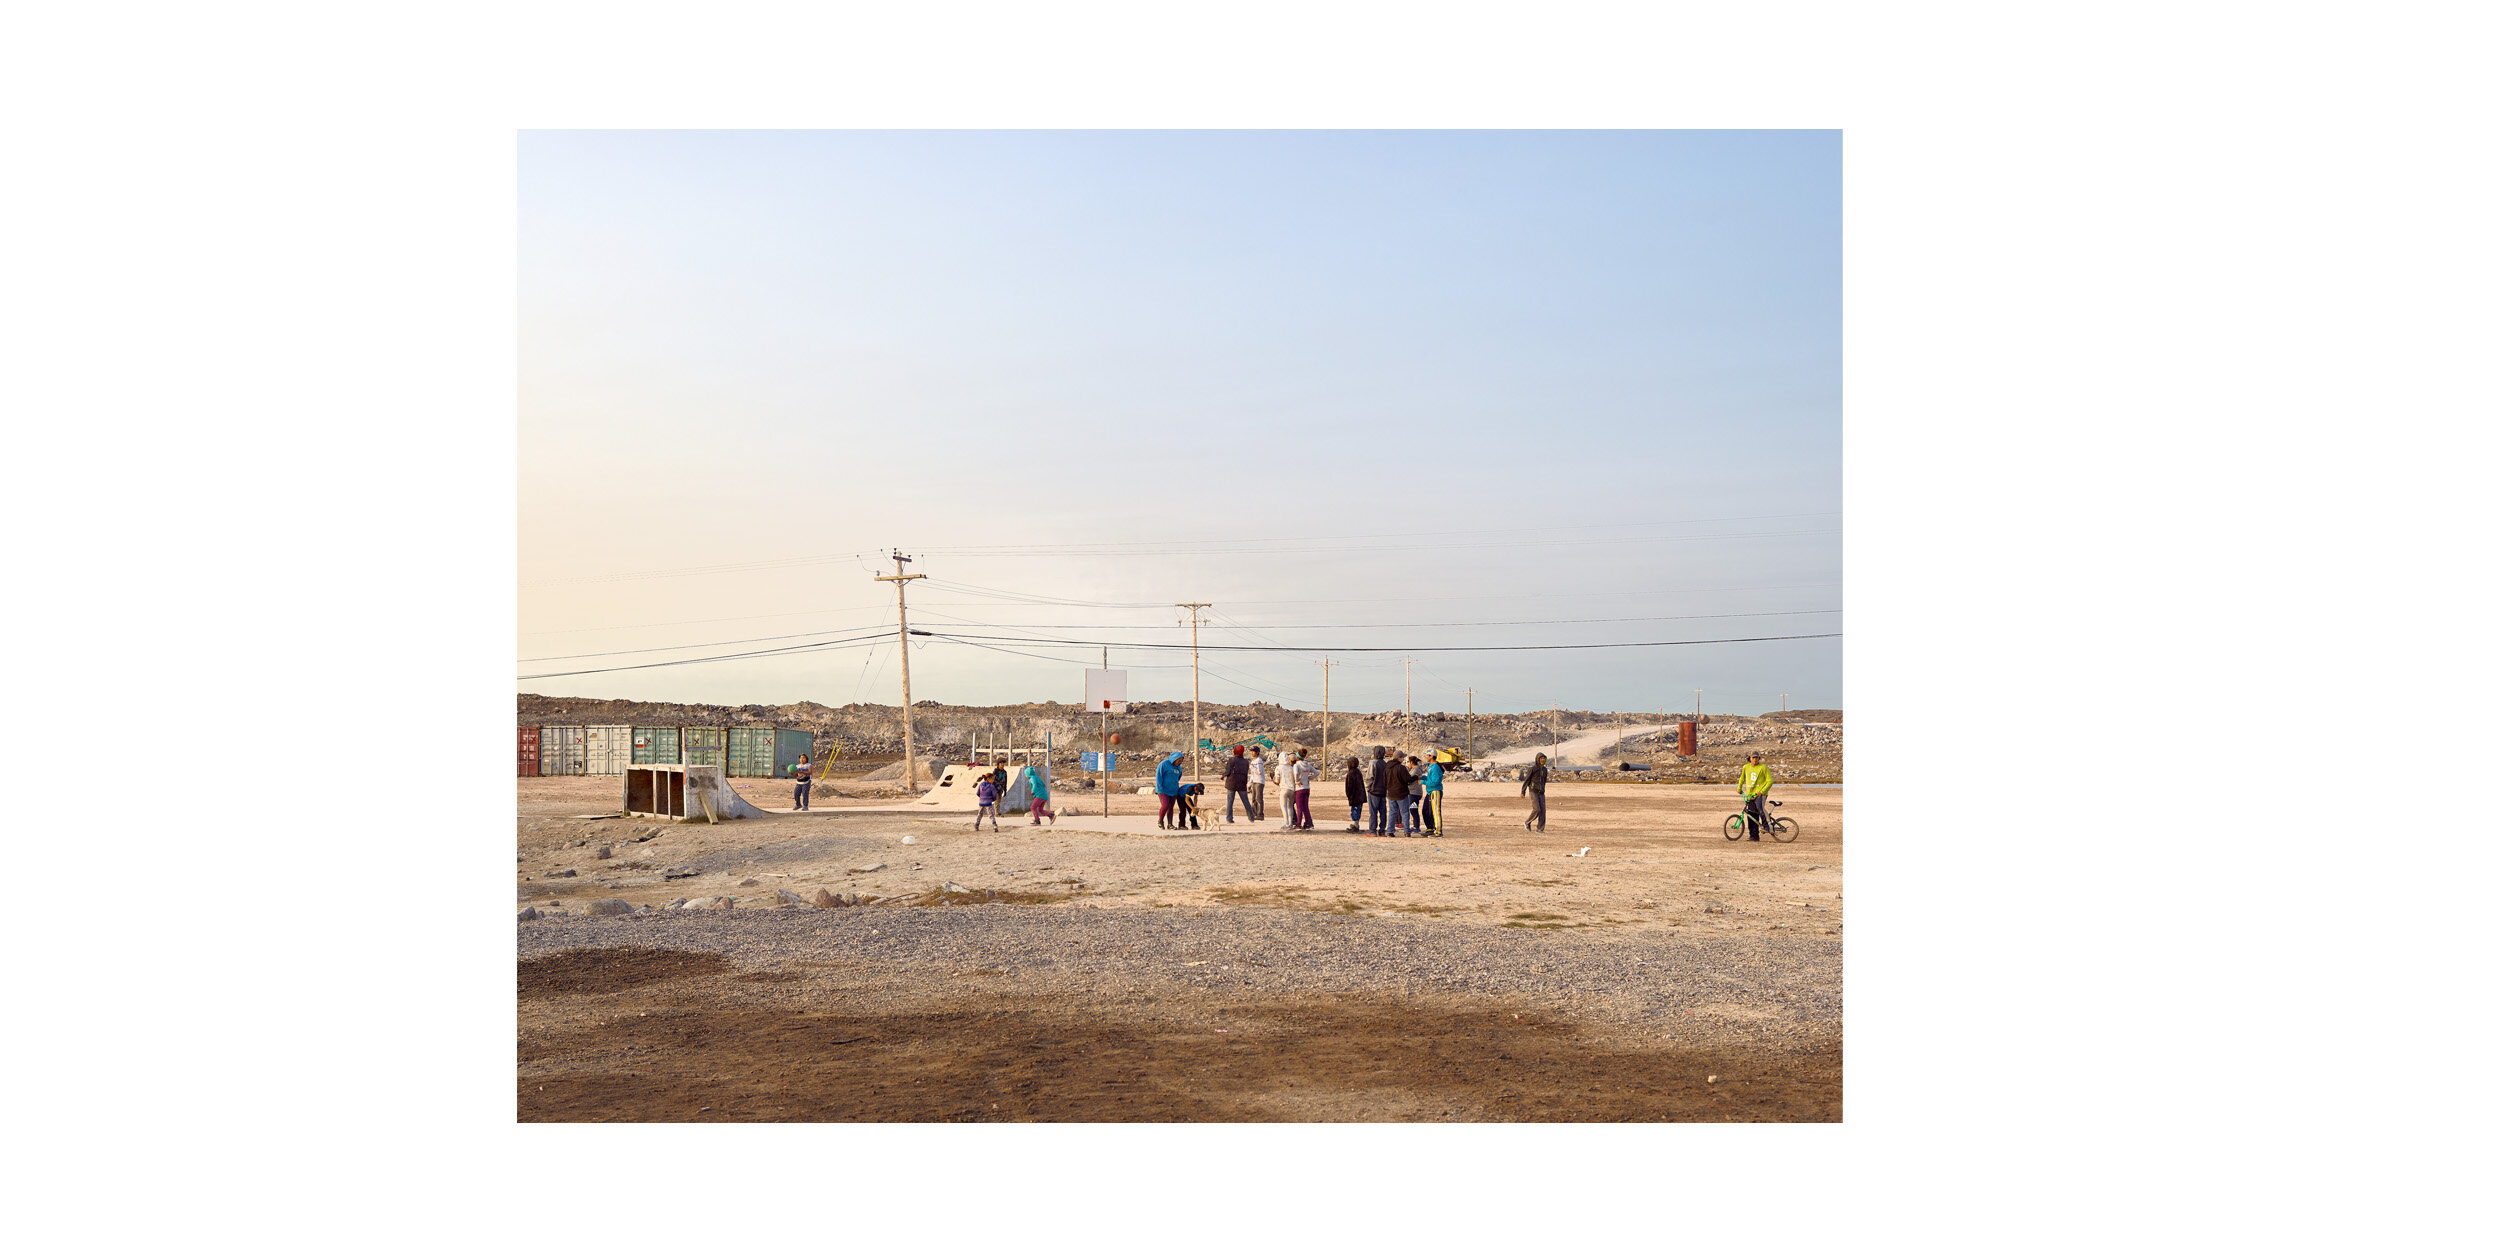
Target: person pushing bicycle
{"x": 1754, "y": 784}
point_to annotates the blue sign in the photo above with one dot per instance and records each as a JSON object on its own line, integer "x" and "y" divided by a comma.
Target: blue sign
{"x": 1092, "y": 761}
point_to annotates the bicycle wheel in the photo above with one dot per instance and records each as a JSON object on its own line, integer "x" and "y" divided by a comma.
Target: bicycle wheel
{"x": 1783, "y": 830}
{"x": 1735, "y": 827}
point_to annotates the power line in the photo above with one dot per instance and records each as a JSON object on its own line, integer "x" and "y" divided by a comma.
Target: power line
{"x": 1570, "y": 646}
{"x": 711, "y": 659}
{"x": 689, "y": 646}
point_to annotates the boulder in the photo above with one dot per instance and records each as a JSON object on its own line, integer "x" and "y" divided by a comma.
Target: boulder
{"x": 825, "y": 898}
{"x": 698, "y": 904}
{"x": 529, "y": 913}
{"x": 789, "y": 896}
{"x": 610, "y": 907}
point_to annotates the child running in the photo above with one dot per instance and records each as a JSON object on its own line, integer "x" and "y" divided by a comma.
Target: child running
{"x": 987, "y": 792}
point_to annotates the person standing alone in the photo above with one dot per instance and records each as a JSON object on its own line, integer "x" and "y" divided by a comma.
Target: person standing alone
{"x": 1532, "y": 784}
{"x": 801, "y": 773}
{"x": 1754, "y": 786}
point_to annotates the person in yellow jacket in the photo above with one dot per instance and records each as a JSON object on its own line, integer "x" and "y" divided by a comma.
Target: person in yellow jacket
{"x": 1755, "y": 785}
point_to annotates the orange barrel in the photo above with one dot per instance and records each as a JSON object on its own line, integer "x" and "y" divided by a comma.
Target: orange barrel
{"x": 1688, "y": 738}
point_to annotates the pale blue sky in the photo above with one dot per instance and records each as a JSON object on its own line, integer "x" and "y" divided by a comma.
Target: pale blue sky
{"x": 1606, "y": 365}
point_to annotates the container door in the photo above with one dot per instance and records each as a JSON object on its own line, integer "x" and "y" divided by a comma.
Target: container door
{"x": 529, "y": 751}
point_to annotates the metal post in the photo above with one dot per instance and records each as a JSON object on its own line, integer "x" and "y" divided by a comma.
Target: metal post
{"x": 902, "y": 637}
{"x": 1324, "y": 675}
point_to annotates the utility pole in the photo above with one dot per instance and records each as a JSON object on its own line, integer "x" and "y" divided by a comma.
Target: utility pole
{"x": 902, "y": 636}
{"x": 1194, "y": 739}
{"x": 1553, "y": 728}
{"x": 1471, "y": 725}
{"x": 1783, "y": 700}
{"x": 1410, "y": 688}
{"x": 1324, "y": 675}
{"x": 1697, "y": 703}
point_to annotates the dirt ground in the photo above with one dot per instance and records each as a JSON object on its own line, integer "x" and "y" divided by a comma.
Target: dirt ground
{"x": 1494, "y": 974}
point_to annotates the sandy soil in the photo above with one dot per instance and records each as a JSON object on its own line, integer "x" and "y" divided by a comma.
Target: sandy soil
{"x": 1664, "y": 955}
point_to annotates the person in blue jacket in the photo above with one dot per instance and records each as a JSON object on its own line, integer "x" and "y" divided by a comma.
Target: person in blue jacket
{"x": 1167, "y": 790}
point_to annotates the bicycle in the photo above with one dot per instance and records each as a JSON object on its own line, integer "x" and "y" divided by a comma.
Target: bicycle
{"x": 1781, "y": 828}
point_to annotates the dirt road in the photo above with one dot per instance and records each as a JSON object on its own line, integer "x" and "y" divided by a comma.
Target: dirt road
{"x": 1579, "y": 750}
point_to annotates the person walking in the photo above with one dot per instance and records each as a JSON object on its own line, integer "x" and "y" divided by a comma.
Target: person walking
{"x": 1754, "y": 786}
{"x": 1354, "y": 794}
{"x": 987, "y": 792}
{"x": 1258, "y": 785}
{"x": 1168, "y": 790}
{"x": 1236, "y": 783}
{"x": 1532, "y": 784}
{"x": 1432, "y": 798}
{"x": 1039, "y": 788}
{"x": 801, "y": 773}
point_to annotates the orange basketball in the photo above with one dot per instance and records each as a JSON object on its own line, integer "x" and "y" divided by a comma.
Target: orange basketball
{"x": 1115, "y": 740}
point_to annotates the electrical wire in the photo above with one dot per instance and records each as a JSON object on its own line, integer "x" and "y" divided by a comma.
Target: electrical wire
{"x": 711, "y": 659}
{"x": 1569, "y": 646}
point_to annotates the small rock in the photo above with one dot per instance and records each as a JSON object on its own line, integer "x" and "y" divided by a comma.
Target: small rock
{"x": 610, "y": 907}
{"x": 825, "y": 898}
{"x": 1710, "y": 1080}
{"x": 949, "y": 887}
{"x": 865, "y": 868}
{"x": 529, "y": 913}
{"x": 748, "y": 882}
{"x": 789, "y": 896}
{"x": 605, "y": 853}
{"x": 909, "y": 840}
{"x": 564, "y": 872}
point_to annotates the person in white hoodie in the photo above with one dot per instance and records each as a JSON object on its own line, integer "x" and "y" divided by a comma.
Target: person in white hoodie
{"x": 1258, "y": 785}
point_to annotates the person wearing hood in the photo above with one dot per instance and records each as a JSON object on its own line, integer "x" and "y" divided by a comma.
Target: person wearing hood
{"x": 1532, "y": 784}
{"x": 1354, "y": 794}
{"x": 1167, "y": 789}
{"x": 1377, "y": 786}
{"x": 1237, "y": 786}
{"x": 1040, "y": 790}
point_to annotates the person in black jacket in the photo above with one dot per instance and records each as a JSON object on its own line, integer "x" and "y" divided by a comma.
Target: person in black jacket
{"x": 1391, "y": 780}
{"x": 1377, "y": 788}
{"x": 1532, "y": 784}
{"x": 1354, "y": 794}
{"x": 1236, "y": 784}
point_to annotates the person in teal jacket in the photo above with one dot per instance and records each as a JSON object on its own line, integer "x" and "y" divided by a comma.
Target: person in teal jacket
{"x": 1754, "y": 784}
{"x": 1040, "y": 790}
{"x": 1432, "y": 798}
{"x": 1168, "y": 790}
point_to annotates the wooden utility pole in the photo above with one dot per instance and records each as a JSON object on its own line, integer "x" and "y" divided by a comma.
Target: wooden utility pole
{"x": 1471, "y": 725}
{"x": 1696, "y": 703}
{"x": 1783, "y": 700}
{"x": 1324, "y": 674}
{"x": 1194, "y": 739}
{"x": 902, "y": 637}
{"x": 1410, "y": 688}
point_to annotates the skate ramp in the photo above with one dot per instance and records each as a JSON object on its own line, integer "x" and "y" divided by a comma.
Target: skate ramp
{"x": 684, "y": 792}
{"x": 954, "y": 791}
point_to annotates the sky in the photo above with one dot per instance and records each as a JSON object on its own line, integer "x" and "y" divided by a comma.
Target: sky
{"x": 1383, "y": 390}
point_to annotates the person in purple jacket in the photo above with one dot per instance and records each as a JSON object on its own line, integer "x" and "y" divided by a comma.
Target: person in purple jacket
{"x": 987, "y": 792}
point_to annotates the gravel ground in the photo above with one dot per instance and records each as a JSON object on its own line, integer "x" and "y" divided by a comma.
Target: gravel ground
{"x": 1777, "y": 990}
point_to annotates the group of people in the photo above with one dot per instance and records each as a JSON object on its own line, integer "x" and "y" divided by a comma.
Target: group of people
{"x": 1404, "y": 793}
{"x": 992, "y": 788}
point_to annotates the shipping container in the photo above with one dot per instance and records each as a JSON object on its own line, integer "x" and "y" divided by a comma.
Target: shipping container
{"x": 702, "y": 744}
{"x": 610, "y": 748}
{"x": 655, "y": 744}
{"x": 751, "y": 751}
{"x": 789, "y": 745}
{"x": 529, "y": 750}
{"x": 560, "y": 751}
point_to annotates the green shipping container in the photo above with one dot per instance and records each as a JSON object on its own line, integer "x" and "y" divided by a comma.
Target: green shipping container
{"x": 750, "y": 752}
{"x": 655, "y": 744}
{"x": 789, "y": 745}
{"x": 701, "y": 744}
